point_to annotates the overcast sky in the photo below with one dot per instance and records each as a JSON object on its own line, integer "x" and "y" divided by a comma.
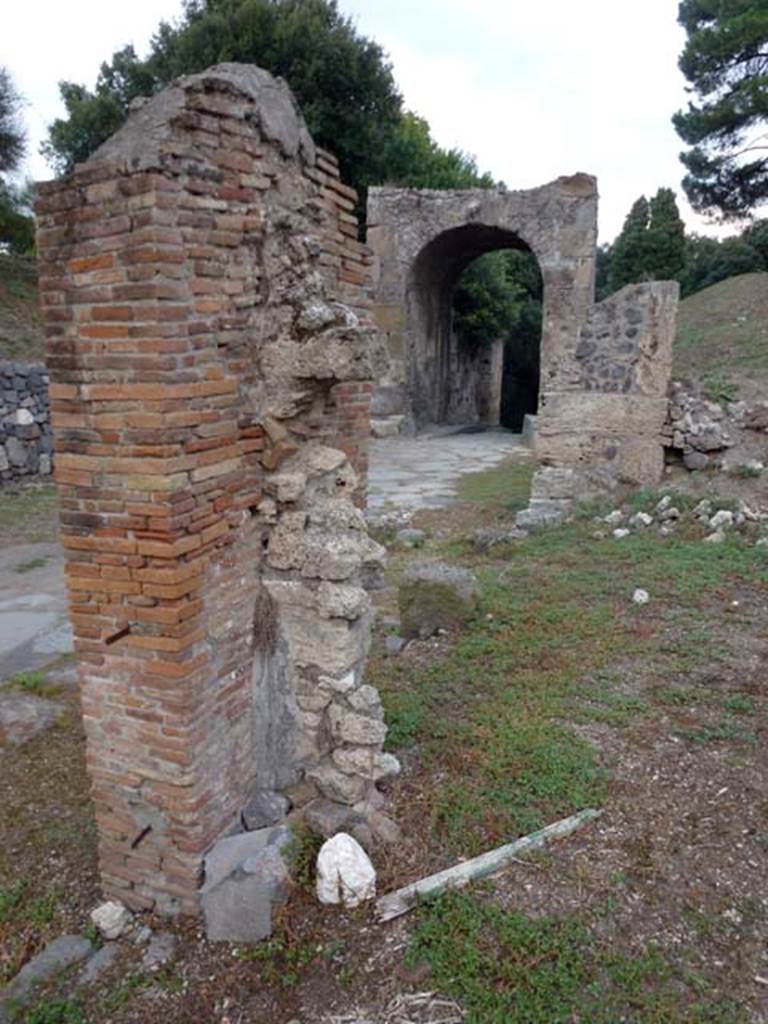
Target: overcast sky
{"x": 533, "y": 89}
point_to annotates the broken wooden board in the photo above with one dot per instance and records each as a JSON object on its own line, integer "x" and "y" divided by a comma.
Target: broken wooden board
{"x": 400, "y": 902}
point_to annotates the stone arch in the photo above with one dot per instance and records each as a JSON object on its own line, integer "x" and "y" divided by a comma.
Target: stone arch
{"x": 452, "y": 384}
{"x": 421, "y": 239}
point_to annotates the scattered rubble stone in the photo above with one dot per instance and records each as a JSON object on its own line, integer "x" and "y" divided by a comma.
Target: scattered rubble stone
{"x": 161, "y": 949}
{"x": 435, "y": 595}
{"x": 247, "y": 878}
{"x": 112, "y": 919}
{"x": 97, "y": 964}
{"x": 344, "y": 872}
{"x": 641, "y": 596}
{"x": 265, "y": 807}
{"x": 490, "y": 537}
{"x": 621, "y": 532}
{"x": 57, "y": 955}
{"x": 410, "y": 538}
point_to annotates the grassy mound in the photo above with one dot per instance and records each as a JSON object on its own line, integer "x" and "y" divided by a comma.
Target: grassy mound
{"x": 722, "y": 336}
{"x": 21, "y": 333}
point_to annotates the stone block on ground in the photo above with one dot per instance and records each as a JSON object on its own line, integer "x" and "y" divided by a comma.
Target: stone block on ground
{"x": 344, "y": 872}
{"x": 434, "y": 595}
{"x": 112, "y": 919}
{"x": 247, "y": 877}
{"x": 23, "y": 716}
{"x": 265, "y": 807}
{"x": 57, "y": 956}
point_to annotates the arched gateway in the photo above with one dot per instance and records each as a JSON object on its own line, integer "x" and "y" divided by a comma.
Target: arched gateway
{"x": 604, "y": 368}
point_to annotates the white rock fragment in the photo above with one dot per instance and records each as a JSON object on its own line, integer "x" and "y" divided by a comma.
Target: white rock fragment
{"x": 641, "y": 596}
{"x": 614, "y": 518}
{"x": 112, "y": 919}
{"x": 344, "y": 872}
{"x": 621, "y": 532}
{"x": 720, "y": 519}
{"x": 640, "y": 520}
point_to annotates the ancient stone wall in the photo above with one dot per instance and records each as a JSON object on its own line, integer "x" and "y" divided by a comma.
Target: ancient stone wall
{"x": 422, "y": 241}
{"x": 605, "y": 368}
{"x": 211, "y": 353}
{"x": 606, "y": 431}
{"x": 26, "y": 443}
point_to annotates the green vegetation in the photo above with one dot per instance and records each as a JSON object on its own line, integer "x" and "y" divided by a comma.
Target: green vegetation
{"x": 722, "y": 333}
{"x": 32, "y": 682}
{"x": 651, "y": 246}
{"x": 58, "y": 1011}
{"x": 724, "y": 61}
{"x": 30, "y": 565}
{"x": 507, "y": 487}
{"x": 505, "y": 967}
{"x": 17, "y": 229}
{"x": 488, "y": 715}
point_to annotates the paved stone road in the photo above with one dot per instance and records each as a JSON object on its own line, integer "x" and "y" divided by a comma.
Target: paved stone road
{"x": 34, "y": 627}
{"x": 422, "y": 472}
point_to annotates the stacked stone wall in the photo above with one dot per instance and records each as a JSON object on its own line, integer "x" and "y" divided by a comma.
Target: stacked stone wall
{"x": 26, "y": 442}
{"x": 208, "y": 336}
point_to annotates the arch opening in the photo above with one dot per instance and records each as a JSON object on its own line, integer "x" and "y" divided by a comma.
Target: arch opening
{"x": 474, "y": 302}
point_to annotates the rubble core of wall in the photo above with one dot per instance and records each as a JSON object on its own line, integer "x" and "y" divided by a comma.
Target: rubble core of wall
{"x": 26, "y": 442}
{"x": 211, "y": 349}
{"x": 606, "y": 431}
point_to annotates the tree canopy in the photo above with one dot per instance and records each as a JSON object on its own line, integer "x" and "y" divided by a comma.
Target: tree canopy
{"x": 12, "y": 138}
{"x": 17, "y": 230}
{"x": 725, "y": 60}
{"x": 341, "y": 79}
{"x": 651, "y": 246}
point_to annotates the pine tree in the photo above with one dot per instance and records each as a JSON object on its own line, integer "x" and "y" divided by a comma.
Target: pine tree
{"x": 628, "y": 252}
{"x": 665, "y": 240}
{"x": 725, "y": 59}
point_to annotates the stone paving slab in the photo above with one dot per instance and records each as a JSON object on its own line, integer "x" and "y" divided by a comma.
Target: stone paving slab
{"x": 410, "y": 473}
{"x": 34, "y": 626}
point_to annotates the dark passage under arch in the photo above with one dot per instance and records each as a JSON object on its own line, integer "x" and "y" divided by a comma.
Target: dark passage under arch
{"x": 465, "y": 376}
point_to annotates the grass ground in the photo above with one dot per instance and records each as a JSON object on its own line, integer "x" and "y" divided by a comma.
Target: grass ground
{"x": 562, "y": 694}
{"x": 722, "y": 338}
{"x": 21, "y": 336}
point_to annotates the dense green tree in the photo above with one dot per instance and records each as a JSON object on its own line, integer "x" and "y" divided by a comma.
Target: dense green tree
{"x": 756, "y": 235}
{"x": 709, "y": 260}
{"x": 341, "y": 79}
{"x": 725, "y": 60}
{"x": 12, "y": 137}
{"x": 651, "y": 246}
{"x": 17, "y": 225}
{"x": 499, "y": 297}
{"x": 665, "y": 242}
{"x": 413, "y": 159}
{"x": 17, "y": 228}
{"x": 628, "y": 254}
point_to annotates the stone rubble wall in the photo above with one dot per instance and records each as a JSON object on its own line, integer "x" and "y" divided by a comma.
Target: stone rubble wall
{"x": 606, "y": 430}
{"x": 709, "y": 435}
{"x": 208, "y": 331}
{"x": 26, "y": 441}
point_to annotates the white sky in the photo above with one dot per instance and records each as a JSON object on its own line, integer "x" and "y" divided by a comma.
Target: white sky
{"x": 533, "y": 90}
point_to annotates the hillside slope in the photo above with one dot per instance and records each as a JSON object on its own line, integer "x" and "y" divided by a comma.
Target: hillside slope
{"x": 21, "y": 334}
{"x": 722, "y": 337}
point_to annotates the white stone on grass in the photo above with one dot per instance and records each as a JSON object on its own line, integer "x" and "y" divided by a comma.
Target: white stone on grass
{"x": 620, "y": 533}
{"x": 720, "y": 519}
{"x": 344, "y": 872}
{"x": 112, "y": 919}
{"x": 640, "y": 520}
{"x": 641, "y": 596}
